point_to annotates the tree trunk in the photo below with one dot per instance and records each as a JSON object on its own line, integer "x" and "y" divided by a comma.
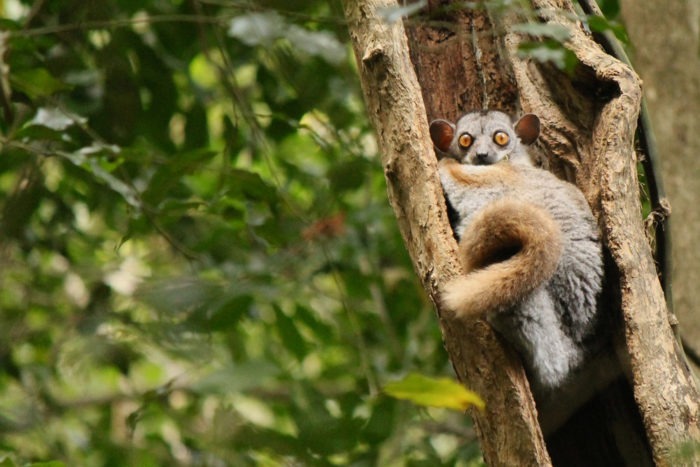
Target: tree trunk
{"x": 666, "y": 36}
{"x": 589, "y": 123}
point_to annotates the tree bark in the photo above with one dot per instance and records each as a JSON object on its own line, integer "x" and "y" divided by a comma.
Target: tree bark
{"x": 666, "y": 38}
{"x": 462, "y": 64}
{"x": 664, "y": 388}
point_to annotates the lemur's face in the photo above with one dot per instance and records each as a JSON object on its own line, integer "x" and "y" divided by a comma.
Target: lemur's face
{"x": 482, "y": 138}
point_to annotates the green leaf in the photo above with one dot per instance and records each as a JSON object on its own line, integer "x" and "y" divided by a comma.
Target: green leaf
{"x": 229, "y": 313}
{"x": 178, "y": 294}
{"x": 252, "y": 186}
{"x": 262, "y": 29}
{"x": 88, "y": 158}
{"x": 549, "y": 51}
{"x": 39, "y": 133}
{"x": 601, "y": 24}
{"x": 268, "y": 440}
{"x": 257, "y": 28}
{"x": 8, "y": 25}
{"x": 380, "y": 423}
{"x": 348, "y": 176}
{"x": 394, "y": 13}
{"x": 557, "y": 32}
{"x": 56, "y": 119}
{"x": 434, "y": 392}
{"x": 317, "y": 43}
{"x": 236, "y": 378}
{"x": 196, "y": 129}
{"x": 320, "y": 330}
{"x": 610, "y": 8}
{"x": 168, "y": 177}
{"x": 37, "y": 82}
{"x": 320, "y": 430}
{"x": 288, "y": 332}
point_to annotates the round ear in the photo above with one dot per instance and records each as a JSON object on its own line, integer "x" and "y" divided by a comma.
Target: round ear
{"x": 528, "y": 128}
{"x": 442, "y": 132}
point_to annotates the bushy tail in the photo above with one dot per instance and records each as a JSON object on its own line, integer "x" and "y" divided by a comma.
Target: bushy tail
{"x": 510, "y": 248}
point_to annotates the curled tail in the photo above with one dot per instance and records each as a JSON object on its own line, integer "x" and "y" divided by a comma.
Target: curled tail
{"x": 509, "y": 249}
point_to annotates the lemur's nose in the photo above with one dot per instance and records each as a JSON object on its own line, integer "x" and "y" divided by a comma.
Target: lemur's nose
{"x": 482, "y": 156}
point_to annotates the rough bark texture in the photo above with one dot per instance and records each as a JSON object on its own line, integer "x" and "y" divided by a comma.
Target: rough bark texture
{"x": 589, "y": 120}
{"x": 664, "y": 388}
{"x": 666, "y": 38}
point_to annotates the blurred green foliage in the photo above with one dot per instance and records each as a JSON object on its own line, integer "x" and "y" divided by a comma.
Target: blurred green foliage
{"x": 199, "y": 264}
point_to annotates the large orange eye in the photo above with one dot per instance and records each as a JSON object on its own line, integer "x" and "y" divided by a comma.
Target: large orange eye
{"x": 465, "y": 140}
{"x": 501, "y": 138}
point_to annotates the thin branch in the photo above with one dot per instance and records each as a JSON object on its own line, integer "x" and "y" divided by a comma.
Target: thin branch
{"x": 119, "y": 23}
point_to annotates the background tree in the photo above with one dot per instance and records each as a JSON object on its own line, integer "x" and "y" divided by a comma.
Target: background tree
{"x": 665, "y": 43}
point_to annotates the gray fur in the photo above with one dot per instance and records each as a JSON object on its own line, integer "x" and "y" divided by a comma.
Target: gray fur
{"x": 551, "y": 327}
